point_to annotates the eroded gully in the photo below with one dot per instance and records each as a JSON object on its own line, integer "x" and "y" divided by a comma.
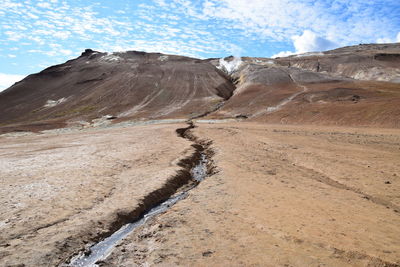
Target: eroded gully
{"x": 194, "y": 170}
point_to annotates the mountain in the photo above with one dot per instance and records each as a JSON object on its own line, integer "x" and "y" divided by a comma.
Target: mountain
{"x": 378, "y": 62}
{"x": 356, "y": 86}
{"x": 130, "y": 85}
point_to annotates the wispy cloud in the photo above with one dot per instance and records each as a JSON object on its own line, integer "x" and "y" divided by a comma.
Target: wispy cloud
{"x": 53, "y": 31}
{"x": 341, "y": 20}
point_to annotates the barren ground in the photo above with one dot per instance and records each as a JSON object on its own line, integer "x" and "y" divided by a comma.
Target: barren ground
{"x": 284, "y": 196}
{"x": 60, "y": 191}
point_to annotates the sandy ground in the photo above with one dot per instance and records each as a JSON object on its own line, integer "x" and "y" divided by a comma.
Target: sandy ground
{"x": 60, "y": 191}
{"x": 284, "y": 196}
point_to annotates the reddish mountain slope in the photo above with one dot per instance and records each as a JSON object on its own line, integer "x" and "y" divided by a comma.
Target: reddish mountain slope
{"x": 319, "y": 89}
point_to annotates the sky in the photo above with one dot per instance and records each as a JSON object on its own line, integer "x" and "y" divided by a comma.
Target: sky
{"x": 35, "y": 34}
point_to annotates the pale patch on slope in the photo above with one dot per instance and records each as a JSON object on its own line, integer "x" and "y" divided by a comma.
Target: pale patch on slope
{"x": 163, "y": 58}
{"x": 111, "y": 57}
{"x": 53, "y": 103}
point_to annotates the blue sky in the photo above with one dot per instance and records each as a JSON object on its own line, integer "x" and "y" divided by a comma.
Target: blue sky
{"x": 38, "y": 33}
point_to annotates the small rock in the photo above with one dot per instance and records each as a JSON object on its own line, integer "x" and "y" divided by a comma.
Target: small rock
{"x": 110, "y": 117}
{"x": 387, "y": 182}
{"x": 87, "y": 252}
{"x": 241, "y": 116}
{"x": 207, "y": 253}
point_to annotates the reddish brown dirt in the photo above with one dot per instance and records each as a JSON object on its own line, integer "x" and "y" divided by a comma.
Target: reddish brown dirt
{"x": 374, "y": 104}
{"x": 311, "y": 98}
{"x": 284, "y": 196}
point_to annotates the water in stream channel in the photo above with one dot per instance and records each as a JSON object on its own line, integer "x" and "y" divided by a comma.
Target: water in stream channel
{"x": 102, "y": 249}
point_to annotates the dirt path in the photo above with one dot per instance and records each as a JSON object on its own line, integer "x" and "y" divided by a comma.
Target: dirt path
{"x": 286, "y": 100}
{"x": 284, "y": 196}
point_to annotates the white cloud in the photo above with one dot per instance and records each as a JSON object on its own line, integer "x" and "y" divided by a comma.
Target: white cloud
{"x": 44, "y": 5}
{"x": 385, "y": 40}
{"x": 308, "y": 42}
{"x": 6, "y": 80}
{"x": 14, "y": 35}
{"x": 160, "y": 2}
{"x": 193, "y": 28}
{"x": 346, "y": 22}
{"x": 283, "y": 54}
{"x": 54, "y": 21}
{"x": 66, "y": 52}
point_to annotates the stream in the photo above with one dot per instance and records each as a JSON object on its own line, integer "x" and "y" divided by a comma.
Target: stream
{"x": 103, "y": 249}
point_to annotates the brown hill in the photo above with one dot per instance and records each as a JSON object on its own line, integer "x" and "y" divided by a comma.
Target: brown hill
{"x": 320, "y": 88}
{"x": 378, "y": 62}
{"x": 125, "y": 85}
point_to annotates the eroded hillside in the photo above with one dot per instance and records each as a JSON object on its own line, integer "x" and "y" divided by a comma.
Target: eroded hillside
{"x": 320, "y": 88}
{"x": 131, "y": 85}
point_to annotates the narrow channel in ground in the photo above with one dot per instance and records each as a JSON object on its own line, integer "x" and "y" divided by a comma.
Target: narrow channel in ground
{"x": 197, "y": 168}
